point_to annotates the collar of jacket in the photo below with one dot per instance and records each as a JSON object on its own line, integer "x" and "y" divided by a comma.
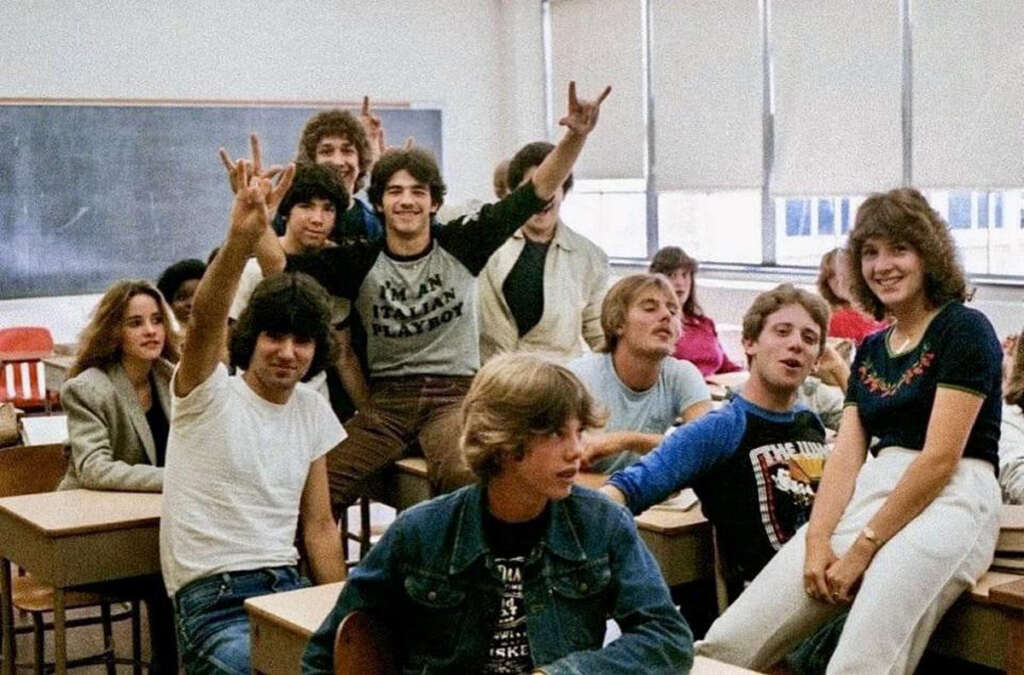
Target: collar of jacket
{"x": 562, "y": 239}
{"x": 561, "y": 537}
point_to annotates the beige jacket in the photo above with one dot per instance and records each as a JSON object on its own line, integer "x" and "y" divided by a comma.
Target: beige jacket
{"x": 575, "y": 279}
{"x": 111, "y": 444}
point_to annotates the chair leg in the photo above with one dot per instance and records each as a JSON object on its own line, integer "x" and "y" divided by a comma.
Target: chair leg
{"x": 136, "y": 640}
{"x": 108, "y": 639}
{"x": 38, "y": 634}
{"x": 343, "y": 526}
{"x": 364, "y": 526}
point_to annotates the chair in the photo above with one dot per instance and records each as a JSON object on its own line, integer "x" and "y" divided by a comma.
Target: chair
{"x": 39, "y": 468}
{"x": 24, "y": 381}
{"x": 363, "y": 645}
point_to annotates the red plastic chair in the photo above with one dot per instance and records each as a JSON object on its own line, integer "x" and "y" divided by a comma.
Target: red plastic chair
{"x": 23, "y": 381}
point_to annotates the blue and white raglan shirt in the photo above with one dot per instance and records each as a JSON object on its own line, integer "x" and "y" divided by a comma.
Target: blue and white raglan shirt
{"x": 419, "y": 312}
{"x": 755, "y": 471}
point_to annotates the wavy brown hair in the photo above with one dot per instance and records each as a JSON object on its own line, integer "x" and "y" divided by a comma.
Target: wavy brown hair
{"x": 516, "y": 397}
{"x": 904, "y": 216}
{"x": 826, "y": 272}
{"x": 667, "y": 260}
{"x": 1013, "y": 384}
{"x": 99, "y": 344}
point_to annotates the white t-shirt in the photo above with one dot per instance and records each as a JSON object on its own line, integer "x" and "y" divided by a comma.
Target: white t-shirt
{"x": 679, "y": 386}
{"x": 236, "y": 468}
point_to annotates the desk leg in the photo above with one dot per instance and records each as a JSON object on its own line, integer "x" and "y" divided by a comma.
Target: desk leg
{"x": 8, "y": 616}
{"x": 60, "y": 644}
{"x": 1014, "y": 661}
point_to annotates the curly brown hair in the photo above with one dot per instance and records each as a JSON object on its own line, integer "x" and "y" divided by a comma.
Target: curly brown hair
{"x": 421, "y": 165}
{"x": 99, "y": 344}
{"x": 513, "y": 398}
{"x": 335, "y": 123}
{"x": 904, "y": 216}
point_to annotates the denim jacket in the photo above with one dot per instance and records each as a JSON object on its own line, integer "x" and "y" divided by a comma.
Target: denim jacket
{"x": 432, "y": 579}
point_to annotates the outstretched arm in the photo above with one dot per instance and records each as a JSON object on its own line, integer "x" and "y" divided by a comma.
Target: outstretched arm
{"x": 580, "y": 120}
{"x": 250, "y": 218}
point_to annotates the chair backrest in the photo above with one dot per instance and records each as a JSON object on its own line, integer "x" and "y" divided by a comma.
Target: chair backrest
{"x": 25, "y": 343}
{"x": 29, "y": 469}
{"x": 363, "y": 645}
{"x": 23, "y": 383}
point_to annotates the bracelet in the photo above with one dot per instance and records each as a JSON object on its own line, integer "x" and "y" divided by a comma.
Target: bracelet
{"x": 870, "y": 535}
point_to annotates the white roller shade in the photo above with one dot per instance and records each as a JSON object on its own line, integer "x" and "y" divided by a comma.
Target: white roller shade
{"x": 837, "y": 96}
{"x": 706, "y": 82}
{"x": 596, "y": 43}
{"x": 968, "y": 93}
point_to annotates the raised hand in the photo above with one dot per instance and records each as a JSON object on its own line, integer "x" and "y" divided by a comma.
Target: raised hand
{"x": 373, "y": 127}
{"x": 257, "y": 166}
{"x": 256, "y": 194}
{"x": 582, "y": 116}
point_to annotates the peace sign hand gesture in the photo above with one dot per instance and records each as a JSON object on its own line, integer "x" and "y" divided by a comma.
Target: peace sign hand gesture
{"x": 582, "y": 116}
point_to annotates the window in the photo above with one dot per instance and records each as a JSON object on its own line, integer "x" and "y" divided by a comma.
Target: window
{"x": 611, "y": 213}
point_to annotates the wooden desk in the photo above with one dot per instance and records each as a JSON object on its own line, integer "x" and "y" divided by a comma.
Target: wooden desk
{"x": 55, "y": 369}
{"x": 404, "y": 485}
{"x": 75, "y": 537}
{"x": 983, "y": 627}
{"x": 281, "y": 623}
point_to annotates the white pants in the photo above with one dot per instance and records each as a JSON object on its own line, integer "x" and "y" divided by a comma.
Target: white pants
{"x": 910, "y": 583}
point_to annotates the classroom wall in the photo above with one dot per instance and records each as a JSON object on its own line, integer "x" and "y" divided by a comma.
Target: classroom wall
{"x": 479, "y": 61}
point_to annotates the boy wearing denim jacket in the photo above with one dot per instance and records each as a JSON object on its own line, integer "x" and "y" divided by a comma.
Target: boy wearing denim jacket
{"x": 520, "y": 572}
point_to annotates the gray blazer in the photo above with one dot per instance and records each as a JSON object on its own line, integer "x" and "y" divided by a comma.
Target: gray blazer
{"x": 111, "y": 444}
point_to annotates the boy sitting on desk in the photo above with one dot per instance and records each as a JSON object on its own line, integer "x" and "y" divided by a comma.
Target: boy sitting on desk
{"x": 754, "y": 463}
{"x": 245, "y": 456}
{"x": 520, "y": 572}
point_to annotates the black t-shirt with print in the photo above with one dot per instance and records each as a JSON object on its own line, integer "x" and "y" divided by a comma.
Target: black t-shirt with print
{"x": 894, "y": 393}
{"x": 511, "y": 545}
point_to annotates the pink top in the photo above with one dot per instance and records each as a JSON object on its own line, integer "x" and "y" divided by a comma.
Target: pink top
{"x": 851, "y": 323}
{"x": 700, "y": 346}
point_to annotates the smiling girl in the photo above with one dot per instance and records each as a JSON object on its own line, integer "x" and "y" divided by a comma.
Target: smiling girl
{"x": 898, "y": 538}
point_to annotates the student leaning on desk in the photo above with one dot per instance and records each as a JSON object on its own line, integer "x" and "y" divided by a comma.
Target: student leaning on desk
{"x": 117, "y": 399}
{"x": 118, "y": 407}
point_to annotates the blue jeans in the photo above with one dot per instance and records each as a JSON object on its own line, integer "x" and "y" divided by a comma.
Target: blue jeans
{"x": 212, "y": 626}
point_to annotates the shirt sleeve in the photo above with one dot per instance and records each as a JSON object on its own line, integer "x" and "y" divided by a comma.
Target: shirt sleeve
{"x": 473, "y": 238}
{"x": 727, "y": 365}
{"x": 592, "y": 331}
{"x": 970, "y": 355}
{"x": 686, "y": 383}
{"x": 207, "y": 398}
{"x": 252, "y": 275}
{"x": 340, "y": 270}
{"x": 1011, "y": 455}
{"x": 331, "y": 431}
{"x": 686, "y": 454}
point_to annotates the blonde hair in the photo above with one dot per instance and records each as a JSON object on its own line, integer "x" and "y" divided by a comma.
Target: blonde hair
{"x": 99, "y": 344}
{"x": 513, "y": 398}
{"x": 620, "y": 296}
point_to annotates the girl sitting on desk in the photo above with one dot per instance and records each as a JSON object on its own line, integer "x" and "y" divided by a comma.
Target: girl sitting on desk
{"x": 897, "y": 538}
{"x": 117, "y": 398}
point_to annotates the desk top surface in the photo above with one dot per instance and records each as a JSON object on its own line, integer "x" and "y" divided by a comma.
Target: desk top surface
{"x": 69, "y": 512}
{"x": 300, "y": 611}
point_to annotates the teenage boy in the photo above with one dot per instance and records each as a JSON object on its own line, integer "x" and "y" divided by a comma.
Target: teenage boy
{"x": 756, "y": 462}
{"x": 520, "y": 572}
{"x": 541, "y": 291}
{"x": 635, "y": 376}
{"x": 310, "y": 210}
{"x": 350, "y": 145}
{"x": 415, "y": 293}
{"x": 245, "y": 455}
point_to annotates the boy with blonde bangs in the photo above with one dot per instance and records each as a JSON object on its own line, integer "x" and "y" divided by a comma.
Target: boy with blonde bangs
{"x": 520, "y": 572}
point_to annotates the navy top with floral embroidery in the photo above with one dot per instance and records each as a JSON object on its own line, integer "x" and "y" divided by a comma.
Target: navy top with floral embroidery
{"x": 894, "y": 393}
